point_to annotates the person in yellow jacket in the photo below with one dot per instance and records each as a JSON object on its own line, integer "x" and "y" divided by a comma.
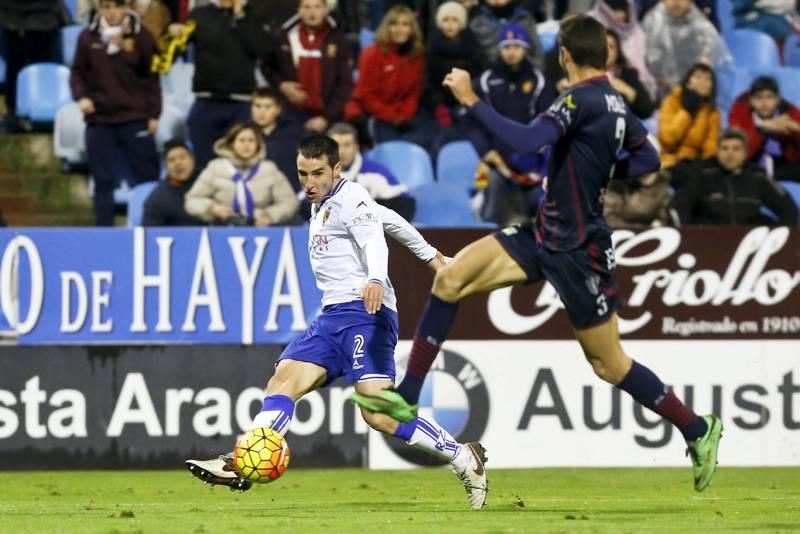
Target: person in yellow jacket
{"x": 689, "y": 120}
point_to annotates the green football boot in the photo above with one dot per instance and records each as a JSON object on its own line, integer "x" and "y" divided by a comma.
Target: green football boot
{"x": 386, "y": 401}
{"x": 703, "y": 452}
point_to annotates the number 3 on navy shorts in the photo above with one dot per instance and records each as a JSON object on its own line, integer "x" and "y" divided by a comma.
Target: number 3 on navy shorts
{"x": 358, "y": 351}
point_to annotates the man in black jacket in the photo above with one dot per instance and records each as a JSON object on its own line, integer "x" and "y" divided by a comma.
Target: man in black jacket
{"x": 229, "y": 40}
{"x": 731, "y": 190}
{"x": 164, "y": 206}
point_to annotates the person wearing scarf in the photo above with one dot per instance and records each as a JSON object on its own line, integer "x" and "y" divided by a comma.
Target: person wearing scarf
{"x": 121, "y": 101}
{"x": 240, "y": 186}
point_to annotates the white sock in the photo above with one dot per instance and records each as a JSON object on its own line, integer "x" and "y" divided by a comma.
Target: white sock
{"x": 430, "y": 437}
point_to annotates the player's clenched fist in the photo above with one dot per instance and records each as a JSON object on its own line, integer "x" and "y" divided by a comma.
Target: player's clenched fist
{"x": 372, "y": 293}
{"x": 459, "y": 82}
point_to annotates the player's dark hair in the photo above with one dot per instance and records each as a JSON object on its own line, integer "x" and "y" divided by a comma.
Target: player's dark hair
{"x": 734, "y": 133}
{"x": 585, "y": 40}
{"x": 316, "y": 145}
{"x": 703, "y": 67}
{"x": 764, "y": 83}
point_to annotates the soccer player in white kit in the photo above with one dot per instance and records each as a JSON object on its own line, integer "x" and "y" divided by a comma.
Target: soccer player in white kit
{"x": 355, "y": 335}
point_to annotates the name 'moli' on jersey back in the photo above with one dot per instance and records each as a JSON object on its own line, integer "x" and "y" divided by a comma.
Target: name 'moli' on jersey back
{"x": 595, "y": 126}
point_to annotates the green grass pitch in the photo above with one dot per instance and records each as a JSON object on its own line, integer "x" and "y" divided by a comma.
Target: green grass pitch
{"x": 349, "y": 500}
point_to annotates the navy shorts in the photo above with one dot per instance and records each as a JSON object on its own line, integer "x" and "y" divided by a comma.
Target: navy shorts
{"x": 349, "y": 342}
{"x": 583, "y": 278}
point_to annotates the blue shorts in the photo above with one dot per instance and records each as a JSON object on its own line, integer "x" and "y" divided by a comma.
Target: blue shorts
{"x": 349, "y": 342}
{"x": 583, "y": 278}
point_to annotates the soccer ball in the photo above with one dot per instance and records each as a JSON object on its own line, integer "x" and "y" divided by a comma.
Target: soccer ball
{"x": 261, "y": 455}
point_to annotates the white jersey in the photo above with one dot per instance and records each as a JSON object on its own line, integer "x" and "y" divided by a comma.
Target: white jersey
{"x": 347, "y": 247}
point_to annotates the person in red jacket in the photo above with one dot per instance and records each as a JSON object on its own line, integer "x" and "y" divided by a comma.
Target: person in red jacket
{"x": 773, "y": 128}
{"x": 121, "y": 100}
{"x": 313, "y": 66}
{"x": 390, "y": 82}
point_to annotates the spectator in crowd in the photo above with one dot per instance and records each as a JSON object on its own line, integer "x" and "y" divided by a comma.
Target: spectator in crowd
{"x": 390, "y": 82}
{"x": 510, "y": 182}
{"x": 165, "y": 205}
{"x": 376, "y": 179}
{"x": 689, "y": 121}
{"x": 121, "y": 101}
{"x": 240, "y": 187}
{"x": 620, "y": 17}
{"x": 679, "y": 36}
{"x": 493, "y": 14}
{"x": 313, "y": 67}
{"x": 768, "y": 16}
{"x": 30, "y": 33}
{"x": 625, "y": 79}
{"x": 450, "y": 45}
{"x": 228, "y": 41}
{"x": 773, "y": 128}
{"x": 281, "y": 134}
{"x": 155, "y": 15}
{"x": 731, "y": 190}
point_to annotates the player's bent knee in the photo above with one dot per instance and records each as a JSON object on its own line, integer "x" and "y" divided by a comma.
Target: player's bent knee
{"x": 611, "y": 370}
{"x": 447, "y": 284}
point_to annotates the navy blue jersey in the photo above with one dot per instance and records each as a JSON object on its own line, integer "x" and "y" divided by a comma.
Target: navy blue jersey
{"x": 595, "y": 125}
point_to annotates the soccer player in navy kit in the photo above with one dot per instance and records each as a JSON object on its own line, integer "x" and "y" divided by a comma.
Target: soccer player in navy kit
{"x": 593, "y": 138}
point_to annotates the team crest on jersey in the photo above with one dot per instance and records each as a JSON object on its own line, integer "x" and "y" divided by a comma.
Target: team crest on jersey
{"x": 331, "y": 51}
{"x": 128, "y": 44}
{"x": 527, "y": 87}
{"x": 326, "y": 215}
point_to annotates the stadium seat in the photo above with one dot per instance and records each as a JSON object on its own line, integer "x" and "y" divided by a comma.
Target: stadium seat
{"x": 456, "y": 164}
{"x": 2, "y": 70}
{"x": 548, "y": 41}
{"x": 444, "y": 205}
{"x": 69, "y": 142}
{"x": 730, "y": 84}
{"x": 793, "y": 189}
{"x": 754, "y": 51}
{"x": 171, "y": 125}
{"x": 410, "y": 164}
{"x": 42, "y": 89}
{"x": 366, "y": 38}
{"x": 136, "y": 199}
{"x": 69, "y": 42}
{"x": 727, "y": 23}
{"x": 72, "y": 7}
{"x": 788, "y": 79}
{"x": 791, "y": 50}
{"x": 176, "y": 86}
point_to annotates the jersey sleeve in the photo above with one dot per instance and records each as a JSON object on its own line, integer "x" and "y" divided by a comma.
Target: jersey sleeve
{"x": 568, "y": 111}
{"x": 635, "y": 132}
{"x": 361, "y": 218}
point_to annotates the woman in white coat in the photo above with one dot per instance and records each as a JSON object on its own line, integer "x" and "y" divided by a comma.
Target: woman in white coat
{"x": 240, "y": 186}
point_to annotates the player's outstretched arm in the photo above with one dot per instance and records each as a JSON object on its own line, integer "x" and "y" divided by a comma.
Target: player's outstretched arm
{"x": 401, "y": 231}
{"x": 522, "y": 138}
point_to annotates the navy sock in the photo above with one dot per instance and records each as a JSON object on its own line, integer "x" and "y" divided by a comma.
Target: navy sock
{"x": 406, "y": 430}
{"x": 432, "y": 331}
{"x": 647, "y": 389}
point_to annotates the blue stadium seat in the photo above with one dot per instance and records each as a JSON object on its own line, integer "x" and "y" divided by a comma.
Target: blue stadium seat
{"x": 176, "y": 86}
{"x": 69, "y": 42}
{"x": 731, "y": 83}
{"x": 727, "y": 23}
{"x": 754, "y": 51}
{"x": 791, "y": 50}
{"x": 793, "y": 188}
{"x": 788, "y": 79}
{"x": 456, "y": 164}
{"x": 366, "y": 38}
{"x": 42, "y": 89}
{"x": 2, "y": 70}
{"x": 548, "y": 41}
{"x": 69, "y": 130}
{"x": 444, "y": 205}
{"x": 407, "y": 161}
{"x": 72, "y": 7}
{"x": 136, "y": 199}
